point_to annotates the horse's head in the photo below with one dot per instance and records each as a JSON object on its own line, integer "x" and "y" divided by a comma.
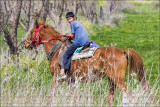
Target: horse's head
{"x": 41, "y": 34}
{"x": 35, "y": 36}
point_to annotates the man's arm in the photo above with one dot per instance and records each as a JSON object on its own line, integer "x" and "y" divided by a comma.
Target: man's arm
{"x": 70, "y": 35}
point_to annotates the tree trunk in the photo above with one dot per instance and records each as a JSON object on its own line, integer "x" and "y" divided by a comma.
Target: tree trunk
{"x": 101, "y": 13}
{"x": 93, "y": 13}
{"x": 62, "y": 10}
{"x": 76, "y": 7}
{"x": 52, "y": 15}
{"x": 81, "y": 5}
{"x": 28, "y": 14}
{"x": 16, "y": 9}
{"x": 11, "y": 38}
{"x": 45, "y": 9}
{"x": 113, "y": 6}
{"x": 7, "y": 38}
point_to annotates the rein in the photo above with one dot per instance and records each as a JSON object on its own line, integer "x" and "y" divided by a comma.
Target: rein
{"x": 37, "y": 41}
{"x": 37, "y": 38}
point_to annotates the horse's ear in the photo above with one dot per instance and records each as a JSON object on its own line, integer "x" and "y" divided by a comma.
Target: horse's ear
{"x": 36, "y": 23}
{"x": 42, "y": 22}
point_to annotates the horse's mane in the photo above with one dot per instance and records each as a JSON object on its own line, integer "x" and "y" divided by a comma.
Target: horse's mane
{"x": 48, "y": 29}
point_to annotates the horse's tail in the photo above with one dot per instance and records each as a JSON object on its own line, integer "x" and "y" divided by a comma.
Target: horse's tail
{"x": 136, "y": 64}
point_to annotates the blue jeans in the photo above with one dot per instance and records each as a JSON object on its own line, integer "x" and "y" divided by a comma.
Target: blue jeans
{"x": 67, "y": 56}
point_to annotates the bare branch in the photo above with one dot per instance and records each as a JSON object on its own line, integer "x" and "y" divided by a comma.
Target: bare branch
{"x": 23, "y": 25}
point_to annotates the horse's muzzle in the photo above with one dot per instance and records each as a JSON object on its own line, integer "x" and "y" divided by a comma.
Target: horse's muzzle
{"x": 28, "y": 46}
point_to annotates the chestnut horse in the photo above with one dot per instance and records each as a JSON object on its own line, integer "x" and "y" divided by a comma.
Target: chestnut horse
{"x": 107, "y": 61}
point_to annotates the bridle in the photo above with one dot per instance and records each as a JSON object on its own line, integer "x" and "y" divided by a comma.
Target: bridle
{"x": 37, "y": 40}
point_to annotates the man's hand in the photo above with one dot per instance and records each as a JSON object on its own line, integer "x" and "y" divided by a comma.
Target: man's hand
{"x": 69, "y": 35}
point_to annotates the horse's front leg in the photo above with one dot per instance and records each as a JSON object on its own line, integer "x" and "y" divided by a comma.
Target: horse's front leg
{"x": 55, "y": 85}
{"x": 72, "y": 88}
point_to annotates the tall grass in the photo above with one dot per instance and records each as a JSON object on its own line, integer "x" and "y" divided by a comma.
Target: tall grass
{"x": 29, "y": 83}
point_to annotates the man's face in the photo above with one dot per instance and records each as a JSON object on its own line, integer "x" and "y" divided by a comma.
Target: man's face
{"x": 70, "y": 19}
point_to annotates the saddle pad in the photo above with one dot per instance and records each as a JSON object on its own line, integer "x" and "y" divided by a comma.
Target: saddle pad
{"x": 87, "y": 53}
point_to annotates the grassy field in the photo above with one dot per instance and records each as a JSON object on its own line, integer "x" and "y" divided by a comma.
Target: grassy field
{"x": 140, "y": 31}
{"x": 30, "y": 83}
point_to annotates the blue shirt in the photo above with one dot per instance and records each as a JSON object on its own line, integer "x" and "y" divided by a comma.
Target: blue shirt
{"x": 81, "y": 37}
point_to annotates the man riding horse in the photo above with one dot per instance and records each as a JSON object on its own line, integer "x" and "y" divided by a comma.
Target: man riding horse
{"x": 107, "y": 61}
{"x": 80, "y": 38}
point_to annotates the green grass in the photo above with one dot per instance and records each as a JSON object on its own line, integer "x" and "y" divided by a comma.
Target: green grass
{"x": 139, "y": 31}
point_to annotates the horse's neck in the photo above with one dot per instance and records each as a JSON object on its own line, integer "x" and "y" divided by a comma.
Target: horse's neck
{"x": 49, "y": 45}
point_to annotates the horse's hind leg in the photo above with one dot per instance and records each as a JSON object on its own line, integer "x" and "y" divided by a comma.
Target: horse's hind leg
{"x": 123, "y": 88}
{"x": 111, "y": 95}
{"x": 118, "y": 79}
